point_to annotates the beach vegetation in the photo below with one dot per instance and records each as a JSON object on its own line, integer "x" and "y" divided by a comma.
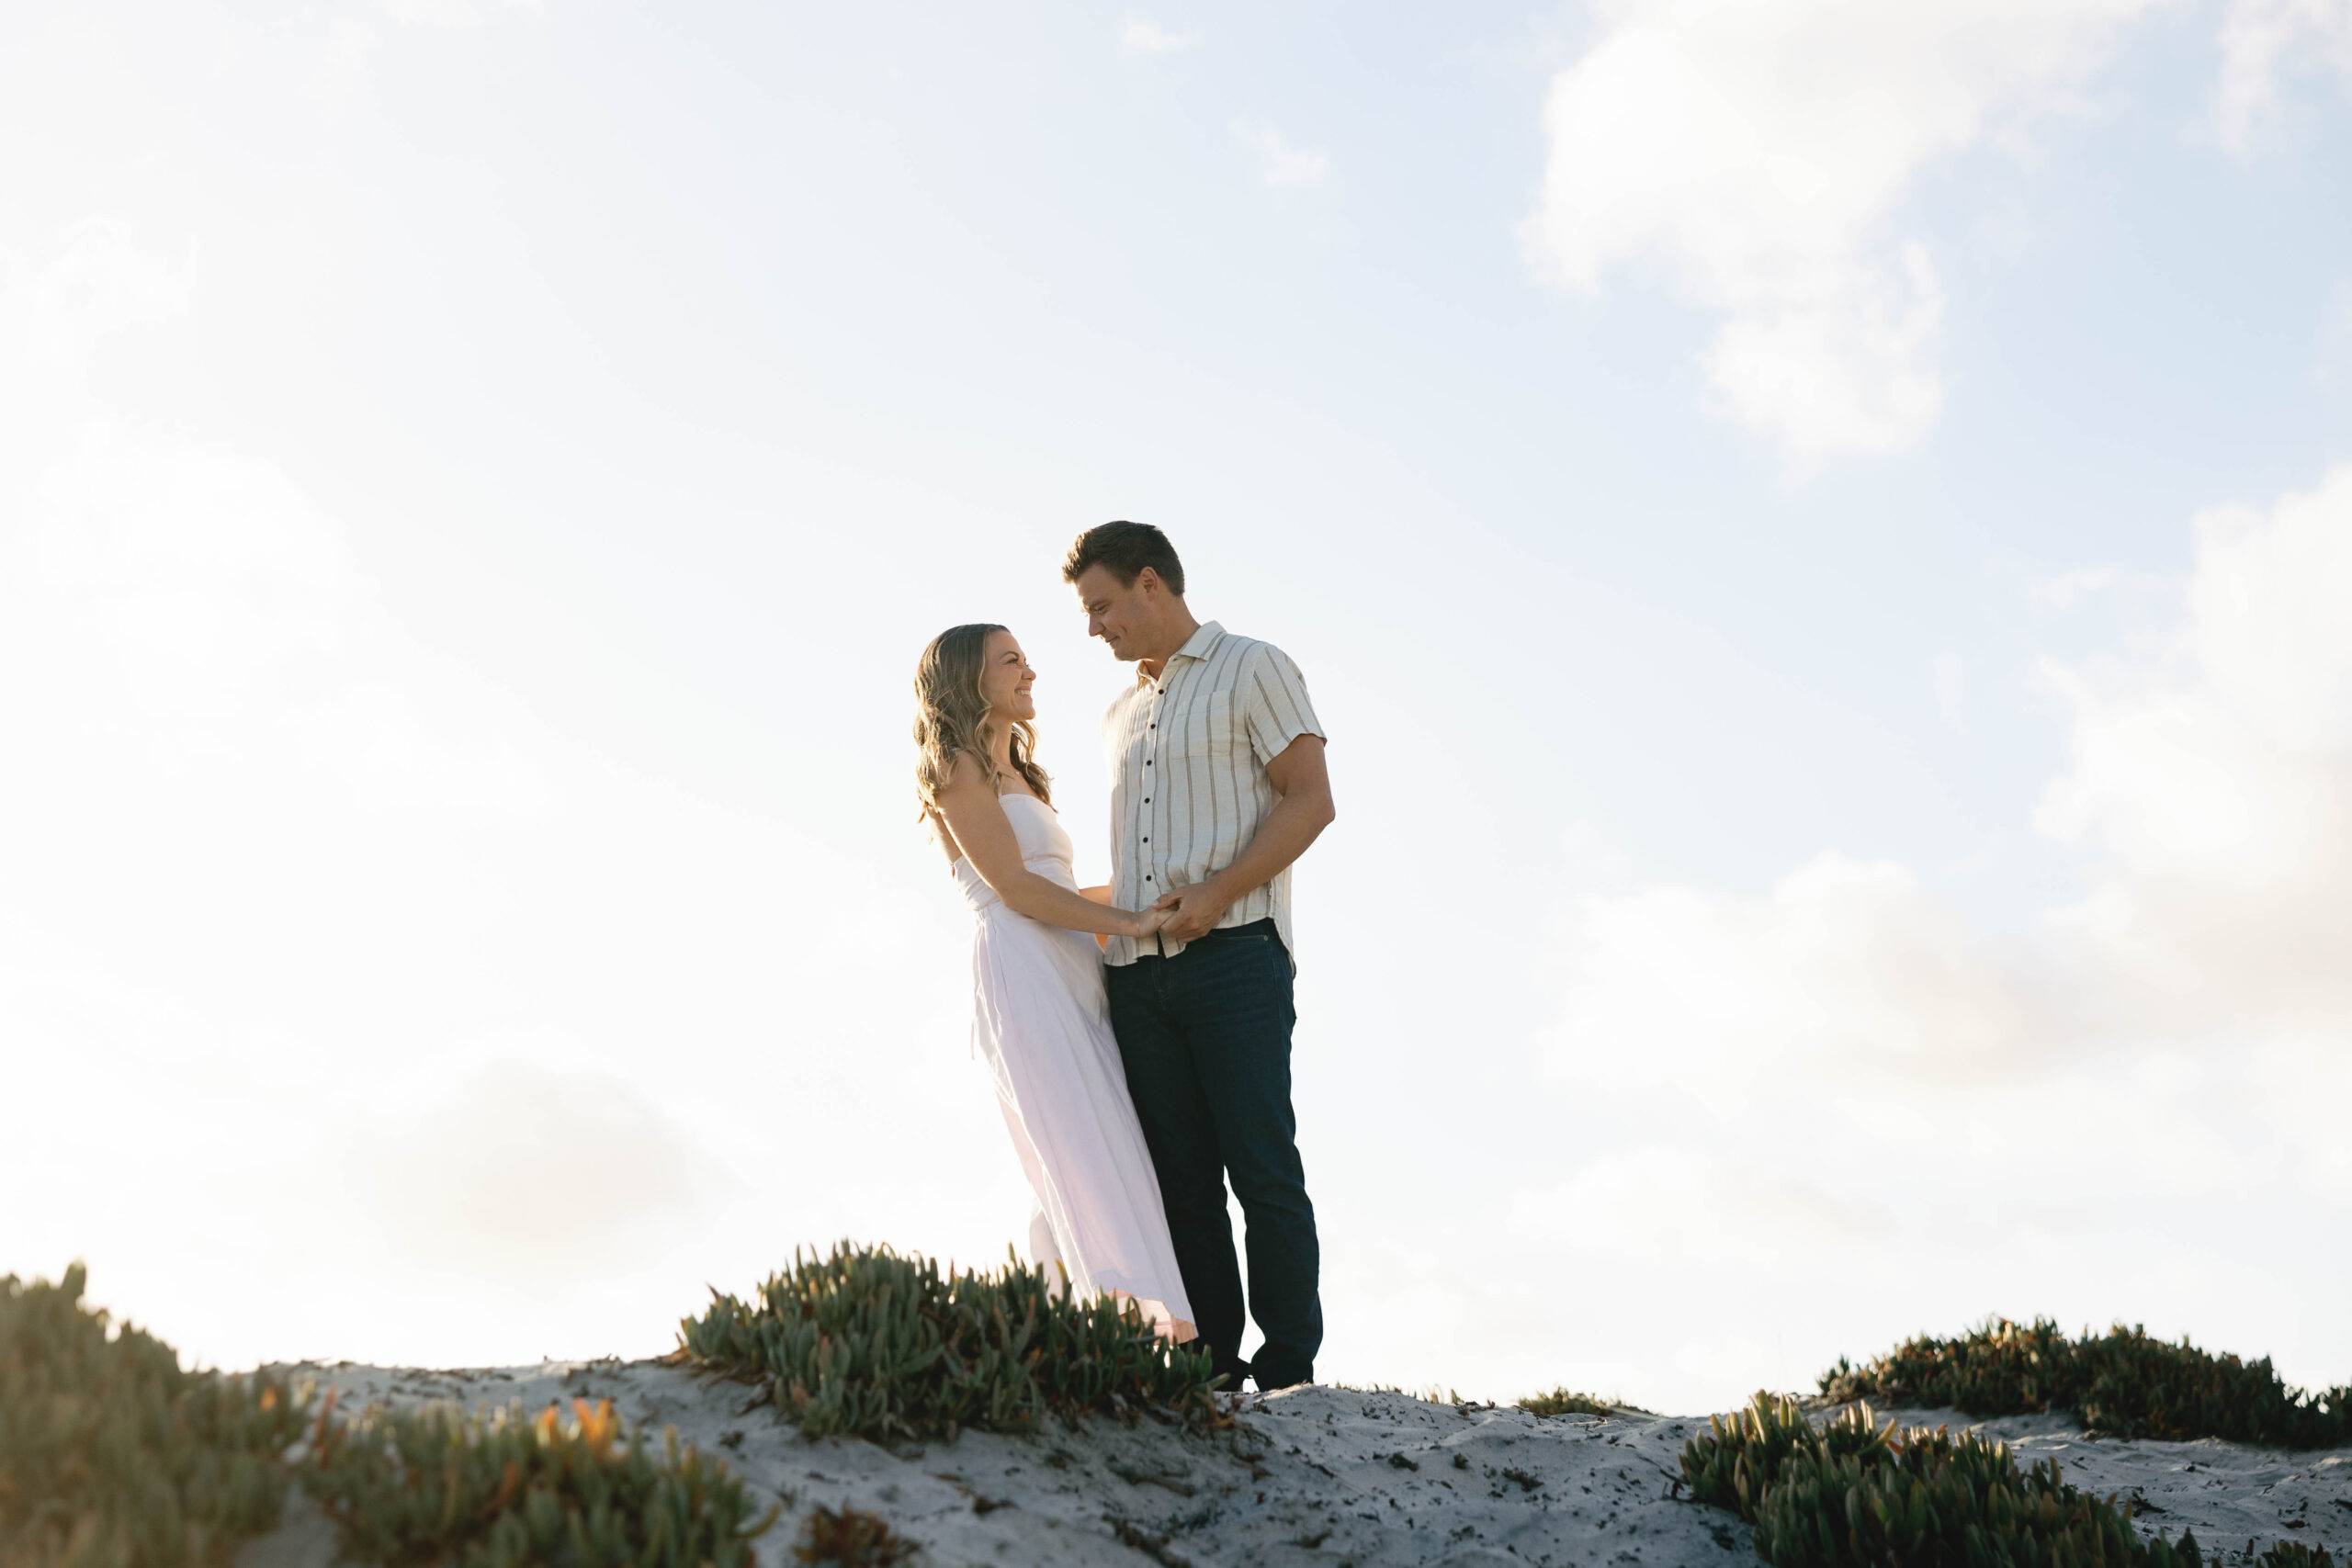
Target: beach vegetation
{"x": 1565, "y": 1401}
{"x": 2123, "y": 1383}
{"x": 504, "y": 1490}
{"x": 862, "y": 1341}
{"x": 1432, "y": 1393}
{"x": 2290, "y": 1554}
{"x": 1853, "y": 1494}
{"x": 114, "y": 1455}
{"x": 849, "y": 1537}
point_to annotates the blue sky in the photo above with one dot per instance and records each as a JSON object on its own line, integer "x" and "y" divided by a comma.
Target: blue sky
{"x": 476, "y": 477}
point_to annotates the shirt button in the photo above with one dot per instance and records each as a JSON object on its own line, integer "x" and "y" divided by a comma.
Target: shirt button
{"x": 1146, "y": 800}
{"x": 1147, "y": 838}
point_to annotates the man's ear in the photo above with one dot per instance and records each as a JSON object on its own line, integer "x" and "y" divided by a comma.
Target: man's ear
{"x": 1148, "y": 580}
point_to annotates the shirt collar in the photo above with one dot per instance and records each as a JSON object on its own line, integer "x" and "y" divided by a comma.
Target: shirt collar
{"x": 1199, "y": 645}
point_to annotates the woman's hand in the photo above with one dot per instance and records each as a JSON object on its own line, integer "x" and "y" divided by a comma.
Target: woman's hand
{"x": 1147, "y": 921}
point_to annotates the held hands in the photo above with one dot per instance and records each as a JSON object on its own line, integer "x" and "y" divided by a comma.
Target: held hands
{"x": 1190, "y": 913}
{"x": 1186, "y": 914}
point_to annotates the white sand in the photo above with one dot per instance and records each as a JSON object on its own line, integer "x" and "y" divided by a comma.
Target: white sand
{"x": 1317, "y": 1476}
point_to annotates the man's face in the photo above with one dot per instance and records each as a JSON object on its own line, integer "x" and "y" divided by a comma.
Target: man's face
{"x": 1120, "y": 616}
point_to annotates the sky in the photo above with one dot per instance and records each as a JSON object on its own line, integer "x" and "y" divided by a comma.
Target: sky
{"x": 1817, "y": 530}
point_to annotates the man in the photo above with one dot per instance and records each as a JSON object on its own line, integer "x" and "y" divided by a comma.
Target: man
{"x": 1217, "y": 758}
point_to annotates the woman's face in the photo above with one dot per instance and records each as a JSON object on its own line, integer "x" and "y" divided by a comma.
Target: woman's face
{"x": 1005, "y": 678}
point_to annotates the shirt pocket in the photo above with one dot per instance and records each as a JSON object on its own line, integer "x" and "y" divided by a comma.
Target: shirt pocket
{"x": 1207, "y": 729}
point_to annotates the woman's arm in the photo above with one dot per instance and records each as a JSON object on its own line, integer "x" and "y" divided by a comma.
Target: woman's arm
{"x": 1099, "y": 894}
{"x": 977, "y": 819}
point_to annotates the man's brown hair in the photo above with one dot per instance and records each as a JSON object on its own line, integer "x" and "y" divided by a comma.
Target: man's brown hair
{"x": 1127, "y": 548}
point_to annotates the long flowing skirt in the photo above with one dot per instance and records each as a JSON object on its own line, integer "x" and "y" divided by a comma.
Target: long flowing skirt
{"x": 1042, "y": 1024}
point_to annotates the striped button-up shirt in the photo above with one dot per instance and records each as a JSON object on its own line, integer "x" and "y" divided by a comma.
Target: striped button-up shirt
{"x": 1188, "y": 755}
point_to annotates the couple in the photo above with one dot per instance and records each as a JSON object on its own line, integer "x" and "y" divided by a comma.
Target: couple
{"x": 1138, "y": 1078}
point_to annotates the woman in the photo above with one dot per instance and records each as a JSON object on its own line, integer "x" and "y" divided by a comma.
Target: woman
{"x": 1040, "y": 1016}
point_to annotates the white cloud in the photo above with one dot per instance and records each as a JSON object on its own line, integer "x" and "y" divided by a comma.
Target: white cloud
{"x": 2216, "y": 777}
{"x": 1848, "y": 968}
{"x": 2210, "y": 773}
{"x": 1757, "y": 155}
{"x": 1279, "y": 162}
{"x": 1849, "y": 369}
{"x": 2264, "y": 42}
{"x": 1846, "y": 1079}
{"x": 1140, "y": 35}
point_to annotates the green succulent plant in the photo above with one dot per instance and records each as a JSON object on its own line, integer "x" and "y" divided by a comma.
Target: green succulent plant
{"x": 2122, "y": 1383}
{"x": 864, "y": 1341}
{"x": 2293, "y": 1554}
{"x": 1565, "y": 1401}
{"x": 114, "y": 1455}
{"x": 1853, "y": 1494}
{"x": 502, "y": 1490}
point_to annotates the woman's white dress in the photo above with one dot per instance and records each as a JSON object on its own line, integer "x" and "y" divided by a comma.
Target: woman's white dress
{"x": 1042, "y": 1024}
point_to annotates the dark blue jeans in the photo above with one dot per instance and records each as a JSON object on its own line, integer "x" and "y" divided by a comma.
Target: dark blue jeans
{"x": 1207, "y": 1040}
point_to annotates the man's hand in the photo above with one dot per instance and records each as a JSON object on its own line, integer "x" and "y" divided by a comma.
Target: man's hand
{"x": 1194, "y": 912}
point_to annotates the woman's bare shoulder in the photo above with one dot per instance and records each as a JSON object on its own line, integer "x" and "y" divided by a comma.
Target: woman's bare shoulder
{"x": 967, "y": 775}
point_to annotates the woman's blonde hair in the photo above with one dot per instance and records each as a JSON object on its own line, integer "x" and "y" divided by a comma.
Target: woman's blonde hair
{"x": 952, "y": 718}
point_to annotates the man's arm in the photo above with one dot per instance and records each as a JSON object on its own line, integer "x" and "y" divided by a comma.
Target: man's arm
{"x": 1305, "y": 810}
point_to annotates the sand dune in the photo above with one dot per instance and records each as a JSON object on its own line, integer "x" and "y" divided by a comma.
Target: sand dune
{"x": 1319, "y": 1476}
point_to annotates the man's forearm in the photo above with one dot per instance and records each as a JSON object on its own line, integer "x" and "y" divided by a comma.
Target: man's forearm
{"x": 1295, "y": 822}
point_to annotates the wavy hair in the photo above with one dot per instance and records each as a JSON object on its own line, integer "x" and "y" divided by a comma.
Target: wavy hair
{"x": 951, "y": 716}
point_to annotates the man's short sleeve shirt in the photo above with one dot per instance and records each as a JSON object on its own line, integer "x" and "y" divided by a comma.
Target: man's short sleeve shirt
{"x": 1188, "y": 755}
